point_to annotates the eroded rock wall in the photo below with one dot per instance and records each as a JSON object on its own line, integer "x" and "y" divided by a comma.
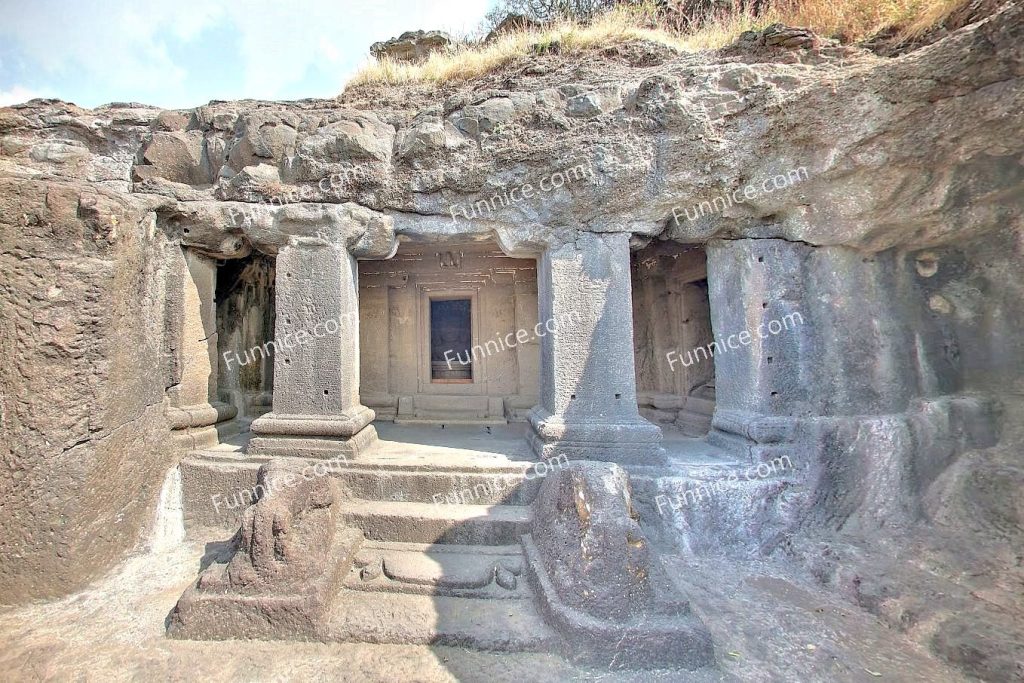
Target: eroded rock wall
{"x": 245, "y": 325}
{"x": 82, "y": 426}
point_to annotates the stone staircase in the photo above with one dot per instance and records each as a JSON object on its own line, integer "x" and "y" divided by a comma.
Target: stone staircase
{"x": 436, "y": 544}
{"x": 440, "y": 573}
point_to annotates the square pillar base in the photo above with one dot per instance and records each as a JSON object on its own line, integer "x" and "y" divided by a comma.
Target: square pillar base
{"x": 314, "y": 436}
{"x": 628, "y": 442}
{"x": 202, "y": 425}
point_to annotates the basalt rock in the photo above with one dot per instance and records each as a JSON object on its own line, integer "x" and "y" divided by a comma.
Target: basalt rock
{"x": 411, "y": 46}
{"x": 791, "y": 38}
{"x": 510, "y": 24}
{"x": 599, "y": 578}
{"x": 883, "y": 199}
{"x": 291, "y": 554}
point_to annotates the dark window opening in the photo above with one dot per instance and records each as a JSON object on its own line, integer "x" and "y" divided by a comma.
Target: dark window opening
{"x": 451, "y": 339}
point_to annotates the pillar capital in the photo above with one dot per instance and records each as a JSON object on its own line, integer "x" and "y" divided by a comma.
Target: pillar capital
{"x": 232, "y": 229}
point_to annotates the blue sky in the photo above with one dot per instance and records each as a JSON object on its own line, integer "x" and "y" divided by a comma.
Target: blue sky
{"x": 183, "y": 53}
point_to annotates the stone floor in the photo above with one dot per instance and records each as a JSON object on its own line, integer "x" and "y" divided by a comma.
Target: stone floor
{"x": 465, "y": 444}
{"x": 768, "y": 623}
{"x": 767, "y": 626}
{"x": 452, "y": 443}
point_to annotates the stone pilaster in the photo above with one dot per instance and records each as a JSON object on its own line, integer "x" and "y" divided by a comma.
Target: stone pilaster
{"x": 195, "y": 411}
{"x": 588, "y": 407}
{"x": 825, "y": 336}
{"x": 316, "y": 410}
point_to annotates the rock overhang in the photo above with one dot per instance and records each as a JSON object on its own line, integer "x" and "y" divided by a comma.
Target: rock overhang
{"x": 913, "y": 151}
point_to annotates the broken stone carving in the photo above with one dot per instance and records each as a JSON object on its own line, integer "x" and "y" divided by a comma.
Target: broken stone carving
{"x": 291, "y": 555}
{"x": 599, "y": 580}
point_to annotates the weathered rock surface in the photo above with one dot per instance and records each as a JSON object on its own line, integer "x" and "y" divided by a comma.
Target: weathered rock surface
{"x": 411, "y": 46}
{"x": 81, "y": 389}
{"x": 662, "y": 137}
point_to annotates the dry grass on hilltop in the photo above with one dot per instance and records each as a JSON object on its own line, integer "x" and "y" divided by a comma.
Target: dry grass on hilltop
{"x": 849, "y": 20}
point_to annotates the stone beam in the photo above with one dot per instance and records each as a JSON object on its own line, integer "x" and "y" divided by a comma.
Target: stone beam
{"x": 232, "y": 229}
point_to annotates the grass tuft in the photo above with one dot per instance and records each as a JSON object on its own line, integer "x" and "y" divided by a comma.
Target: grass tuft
{"x": 848, "y": 20}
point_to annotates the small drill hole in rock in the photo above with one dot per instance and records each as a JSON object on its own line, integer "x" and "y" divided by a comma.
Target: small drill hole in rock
{"x": 760, "y": 259}
{"x": 618, "y": 395}
{"x": 326, "y": 392}
{"x": 774, "y": 394}
{"x": 572, "y": 397}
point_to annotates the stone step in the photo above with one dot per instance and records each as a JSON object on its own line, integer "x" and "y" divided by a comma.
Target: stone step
{"x": 438, "y": 523}
{"x": 219, "y": 484}
{"x": 451, "y": 419}
{"x": 425, "y": 486}
{"x": 430, "y": 569}
{"x": 735, "y": 445}
{"x": 402, "y": 618}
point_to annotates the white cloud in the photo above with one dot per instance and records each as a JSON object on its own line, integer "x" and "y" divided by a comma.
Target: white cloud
{"x": 123, "y": 48}
{"x": 280, "y": 42}
{"x": 17, "y": 95}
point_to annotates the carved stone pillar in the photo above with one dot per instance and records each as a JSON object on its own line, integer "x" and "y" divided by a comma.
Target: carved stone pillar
{"x": 588, "y": 407}
{"x": 195, "y": 411}
{"x": 316, "y": 409}
{"x": 804, "y": 333}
